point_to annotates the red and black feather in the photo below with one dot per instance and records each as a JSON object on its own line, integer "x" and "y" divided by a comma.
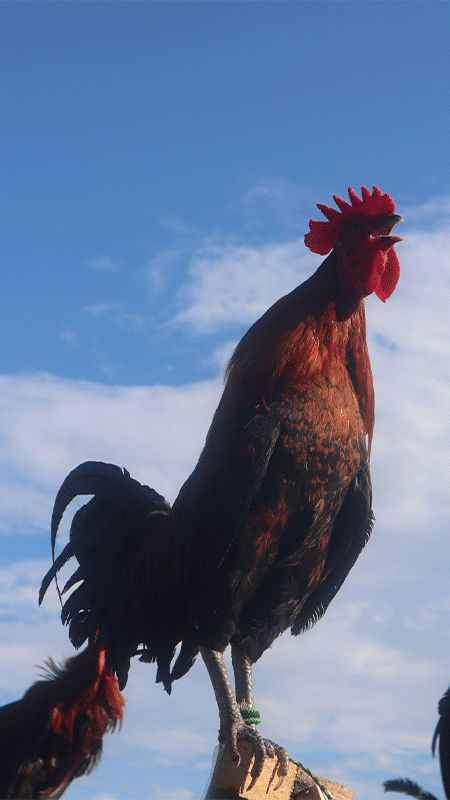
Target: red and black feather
{"x": 54, "y": 733}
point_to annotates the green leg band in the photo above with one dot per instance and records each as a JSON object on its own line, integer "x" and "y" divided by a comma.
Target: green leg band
{"x": 251, "y": 715}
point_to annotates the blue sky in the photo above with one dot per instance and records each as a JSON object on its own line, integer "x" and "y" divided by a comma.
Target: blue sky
{"x": 159, "y": 165}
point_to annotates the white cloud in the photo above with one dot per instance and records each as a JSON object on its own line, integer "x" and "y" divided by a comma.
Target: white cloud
{"x": 231, "y": 283}
{"x": 159, "y": 268}
{"x": 175, "y": 225}
{"x": 121, "y": 318}
{"x": 24, "y": 504}
{"x": 19, "y": 585}
{"x": 411, "y": 441}
{"x": 433, "y": 210}
{"x": 48, "y": 425}
{"x": 223, "y": 354}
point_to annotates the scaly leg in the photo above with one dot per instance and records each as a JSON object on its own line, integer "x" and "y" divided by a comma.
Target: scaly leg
{"x": 242, "y": 668}
{"x": 232, "y": 726}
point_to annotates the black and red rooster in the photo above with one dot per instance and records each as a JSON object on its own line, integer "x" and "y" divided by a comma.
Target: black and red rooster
{"x": 276, "y": 512}
{"x": 54, "y": 733}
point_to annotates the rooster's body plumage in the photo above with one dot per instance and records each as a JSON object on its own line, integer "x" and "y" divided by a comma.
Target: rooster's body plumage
{"x": 278, "y": 506}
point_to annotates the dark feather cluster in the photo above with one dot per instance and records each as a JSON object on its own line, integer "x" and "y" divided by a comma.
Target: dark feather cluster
{"x": 405, "y": 786}
{"x": 442, "y": 733}
{"x": 108, "y": 536}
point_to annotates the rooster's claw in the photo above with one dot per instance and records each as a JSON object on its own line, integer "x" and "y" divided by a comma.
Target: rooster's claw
{"x": 262, "y": 749}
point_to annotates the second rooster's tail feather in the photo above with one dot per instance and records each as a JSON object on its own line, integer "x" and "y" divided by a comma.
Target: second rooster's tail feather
{"x": 442, "y": 733}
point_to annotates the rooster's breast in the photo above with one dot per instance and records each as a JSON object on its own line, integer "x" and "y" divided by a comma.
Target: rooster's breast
{"x": 276, "y": 555}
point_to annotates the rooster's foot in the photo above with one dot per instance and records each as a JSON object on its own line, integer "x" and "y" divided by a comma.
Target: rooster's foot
{"x": 262, "y": 748}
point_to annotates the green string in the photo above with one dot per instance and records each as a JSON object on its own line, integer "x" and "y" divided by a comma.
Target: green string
{"x": 315, "y": 779}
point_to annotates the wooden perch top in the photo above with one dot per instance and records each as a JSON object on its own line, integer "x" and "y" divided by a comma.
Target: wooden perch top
{"x": 229, "y": 782}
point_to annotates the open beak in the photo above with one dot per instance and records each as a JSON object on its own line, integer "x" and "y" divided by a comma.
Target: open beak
{"x": 383, "y": 230}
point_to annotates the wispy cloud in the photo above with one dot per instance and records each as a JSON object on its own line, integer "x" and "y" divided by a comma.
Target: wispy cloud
{"x": 277, "y": 205}
{"x": 24, "y": 506}
{"x": 103, "y": 264}
{"x": 158, "y": 270}
{"x": 118, "y": 316}
{"x": 176, "y": 225}
{"x": 229, "y": 283}
{"x": 436, "y": 209}
{"x": 69, "y": 336}
{"x": 19, "y": 586}
{"x": 234, "y": 284}
{"x": 101, "y": 309}
{"x": 49, "y": 424}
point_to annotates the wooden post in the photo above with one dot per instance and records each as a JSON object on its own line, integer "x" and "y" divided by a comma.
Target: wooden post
{"x": 229, "y": 782}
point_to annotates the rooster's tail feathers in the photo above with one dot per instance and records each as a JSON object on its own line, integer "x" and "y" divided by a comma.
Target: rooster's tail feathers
{"x": 109, "y": 483}
{"x": 108, "y": 536}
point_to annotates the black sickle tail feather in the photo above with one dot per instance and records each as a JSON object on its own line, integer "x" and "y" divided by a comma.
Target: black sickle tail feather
{"x": 110, "y": 485}
{"x": 442, "y": 732}
{"x": 405, "y": 786}
{"x": 109, "y": 535}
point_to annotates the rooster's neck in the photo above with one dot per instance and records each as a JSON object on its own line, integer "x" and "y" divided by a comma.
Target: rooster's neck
{"x": 315, "y": 333}
{"x": 316, "y": 345}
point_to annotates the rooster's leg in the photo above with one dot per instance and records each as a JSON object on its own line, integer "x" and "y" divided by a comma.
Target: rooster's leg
{"x": 232, "y": 726}
{"x": 242, "y": 668}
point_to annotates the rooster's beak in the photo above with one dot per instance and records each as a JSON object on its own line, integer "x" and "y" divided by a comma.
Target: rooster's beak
{"x": 383, "y": 230}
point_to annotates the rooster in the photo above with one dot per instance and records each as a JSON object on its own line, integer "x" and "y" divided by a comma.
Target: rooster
{"x": 278, "y": 508}
{"x": 54, "y": 733}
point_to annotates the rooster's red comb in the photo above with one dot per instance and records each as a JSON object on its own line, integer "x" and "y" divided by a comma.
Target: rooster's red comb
{"x": 322, "y": 236}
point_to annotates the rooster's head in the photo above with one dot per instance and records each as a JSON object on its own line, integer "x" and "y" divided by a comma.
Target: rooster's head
{"x": 360, "y": 234}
